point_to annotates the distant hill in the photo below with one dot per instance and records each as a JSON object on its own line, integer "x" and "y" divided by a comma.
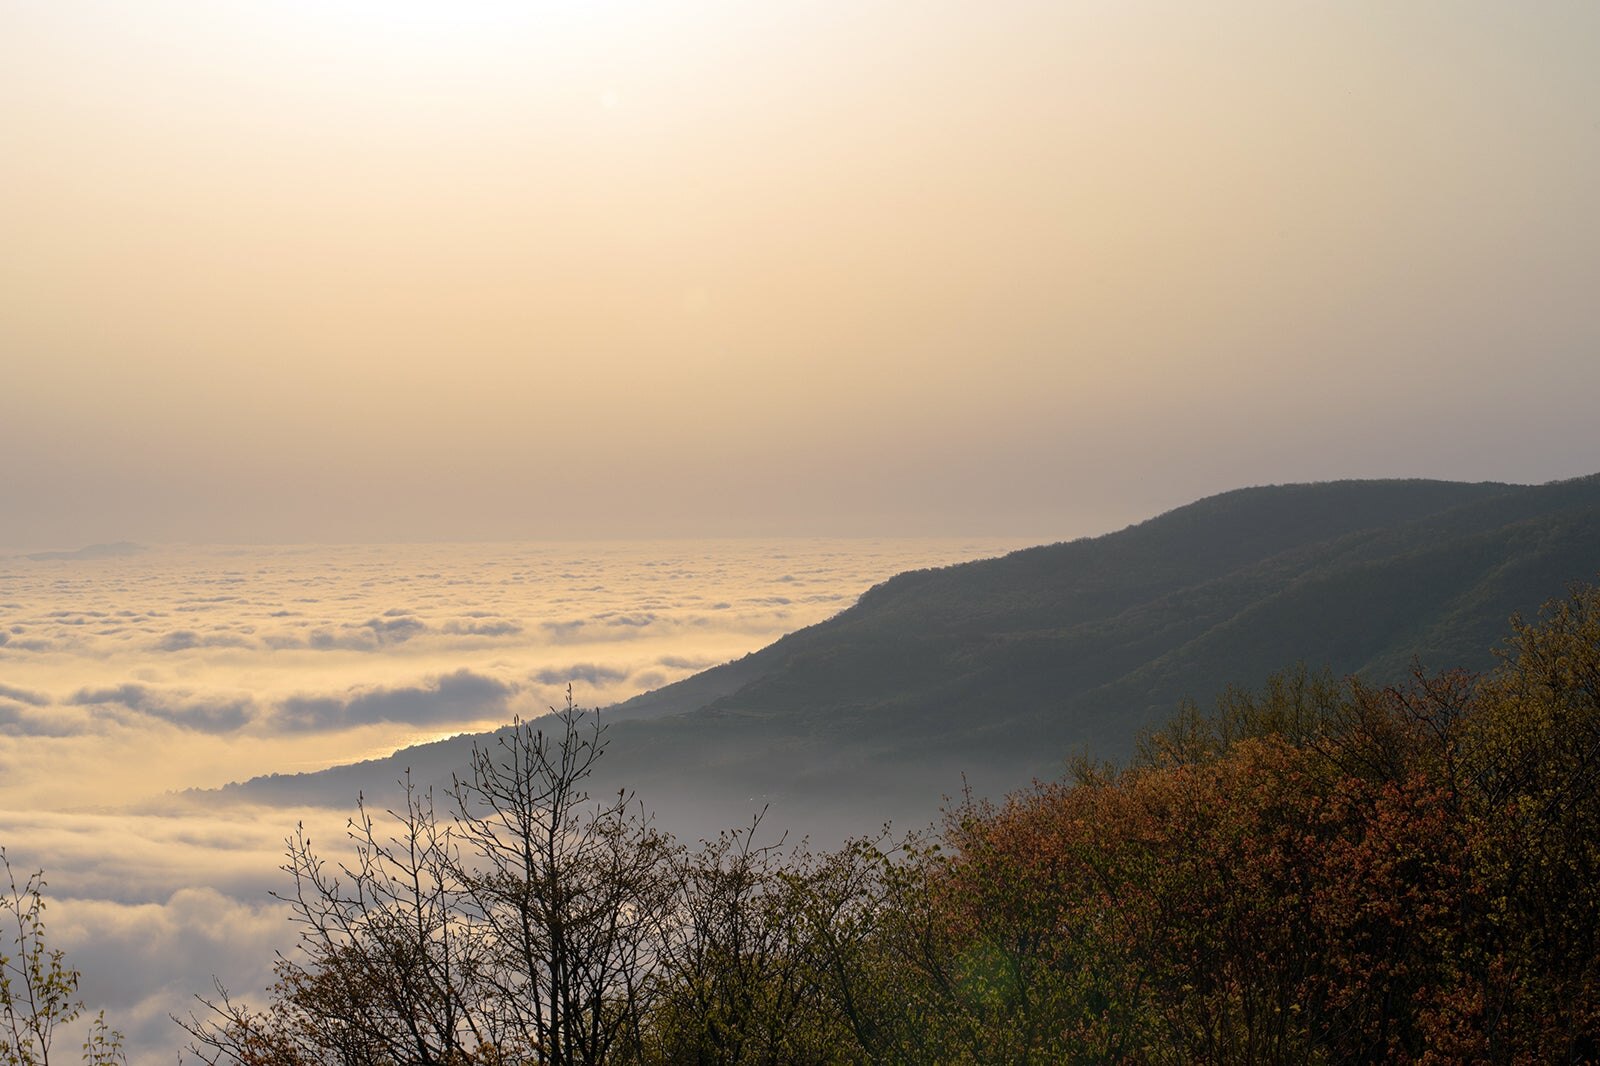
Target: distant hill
{"x": 999, "y": 669}
{"x": 93, "y": 551}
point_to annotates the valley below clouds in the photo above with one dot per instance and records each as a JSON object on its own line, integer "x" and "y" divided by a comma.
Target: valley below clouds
{"x": 127, "y": 679}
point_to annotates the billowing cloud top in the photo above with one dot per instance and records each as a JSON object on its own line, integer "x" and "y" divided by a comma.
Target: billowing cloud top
{"x": 126, "y": 675}
{"x": 163, "y": 662}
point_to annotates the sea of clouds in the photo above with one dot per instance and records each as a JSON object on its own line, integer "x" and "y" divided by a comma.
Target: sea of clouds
{"x": 128, "y": 678}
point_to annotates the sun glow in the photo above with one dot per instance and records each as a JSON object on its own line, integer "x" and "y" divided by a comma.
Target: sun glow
{"x": 793, "y": 267}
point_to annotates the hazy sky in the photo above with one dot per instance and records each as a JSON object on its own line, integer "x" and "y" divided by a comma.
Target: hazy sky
{"x": 392, "y": 270}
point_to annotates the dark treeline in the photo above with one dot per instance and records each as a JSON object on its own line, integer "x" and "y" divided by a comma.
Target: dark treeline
{"x": 1316, "y": 872}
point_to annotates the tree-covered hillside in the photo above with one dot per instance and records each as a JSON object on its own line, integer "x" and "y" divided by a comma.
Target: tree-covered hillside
{"x": 1316, "y": 872}
{"x": 1000, "y": 669}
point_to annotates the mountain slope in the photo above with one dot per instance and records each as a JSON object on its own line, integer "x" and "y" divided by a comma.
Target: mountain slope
{"x": 1000, "y": 668}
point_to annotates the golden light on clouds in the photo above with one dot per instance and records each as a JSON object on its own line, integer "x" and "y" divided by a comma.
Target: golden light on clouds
{"x": 127, "y": 678}
{"x": 400, "y": 270}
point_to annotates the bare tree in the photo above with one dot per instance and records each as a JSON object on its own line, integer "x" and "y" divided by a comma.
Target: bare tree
{"x": 388, "y": 961}
{"x": 570, "y": 892}
{"x": 520, "y": 928}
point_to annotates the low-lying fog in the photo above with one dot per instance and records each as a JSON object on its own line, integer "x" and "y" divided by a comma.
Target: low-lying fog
{"x": 127, "y": 678}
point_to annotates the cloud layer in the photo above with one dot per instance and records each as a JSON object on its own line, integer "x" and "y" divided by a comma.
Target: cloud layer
{"x": 126, "y": 677}
{"x": 340, "y": 642}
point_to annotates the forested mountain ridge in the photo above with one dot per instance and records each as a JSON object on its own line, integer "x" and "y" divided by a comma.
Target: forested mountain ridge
{"x": 1001, "y": 668}
{"x": 1317, "y": 871}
